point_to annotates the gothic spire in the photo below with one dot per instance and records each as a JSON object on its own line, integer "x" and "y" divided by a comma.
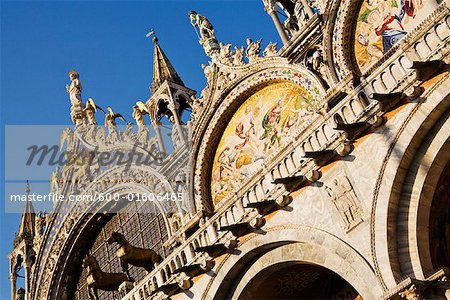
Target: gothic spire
{"x": 162, "y": 68}
{"x": 27, "y": 222}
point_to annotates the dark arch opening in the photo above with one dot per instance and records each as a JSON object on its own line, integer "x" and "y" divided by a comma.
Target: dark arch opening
{"x": 439, "y": 222}
{"x": 295, "y": 280}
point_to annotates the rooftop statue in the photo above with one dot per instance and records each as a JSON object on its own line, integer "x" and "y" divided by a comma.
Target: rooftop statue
{"x": 74, "y": 90}
{"x": 90, "y": 110}
{"x": 139, "y": 111}
{"x": 207, "y": 36}
{"x": 110, "y": 118}
{"x": 110, "y": 123}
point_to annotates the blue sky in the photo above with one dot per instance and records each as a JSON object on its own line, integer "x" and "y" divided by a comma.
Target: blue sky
{"x": 105, "y": 42}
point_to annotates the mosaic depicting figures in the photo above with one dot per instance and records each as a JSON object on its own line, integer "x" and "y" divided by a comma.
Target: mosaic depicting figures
{"x": 262, "y": 124}
{"x": 382, "y": 23}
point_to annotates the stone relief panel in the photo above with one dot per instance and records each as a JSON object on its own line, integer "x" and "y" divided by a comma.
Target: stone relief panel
{"x": 381, "y": 24}
{"x": 265, "y": 121}
{"x": 343, "y": 198}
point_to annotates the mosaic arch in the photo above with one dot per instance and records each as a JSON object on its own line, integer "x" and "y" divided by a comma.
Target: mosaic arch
{"x": 262, "y": 124}
{"x": 382, "y": 23}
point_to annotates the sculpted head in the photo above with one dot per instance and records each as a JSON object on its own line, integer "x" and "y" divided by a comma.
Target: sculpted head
{"x": 73, "y": 75}
{"x": 115, "y": 237}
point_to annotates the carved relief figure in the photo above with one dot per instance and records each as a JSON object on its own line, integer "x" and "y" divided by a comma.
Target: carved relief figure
{"x": 81, "y": 167}
{"x": 41, "y": 222}
{"x": 345, "y": 201}
{"x": 315, "y": 62}
{"x": 55, "y": 180}
{"x": 128, "y": 134}
{"x": 209, "y": 72}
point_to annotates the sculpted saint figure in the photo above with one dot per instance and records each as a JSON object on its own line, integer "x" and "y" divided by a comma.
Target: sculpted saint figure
{"x": 74, "y": 90}
{"x": 344, "y": 199}
{"x": 205, "y": 27}
{"x": 207, "y": 37}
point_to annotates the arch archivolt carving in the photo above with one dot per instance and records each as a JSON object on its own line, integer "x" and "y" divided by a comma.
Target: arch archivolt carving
{"x": 402, "y": 185}
{"x": 292, "y": 243}
{"x": 427, "y": 167}
{"x": 340, "y": 29}
{"x": 229, "y": 101}
{"x": 76, "y": 217}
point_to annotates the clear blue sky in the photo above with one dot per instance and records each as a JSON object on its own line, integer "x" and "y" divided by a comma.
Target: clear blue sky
{"x": 105, "y": 42}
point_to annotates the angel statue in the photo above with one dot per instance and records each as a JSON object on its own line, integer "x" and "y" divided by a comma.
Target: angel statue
{"x": 207, "y": 37}
{"x": 110, "y": 123}
{"x": 253, "y": 49}
{"x": 139, "y": 111}
{"x": 90, "y": 110}
{"x": 74, "y": 90}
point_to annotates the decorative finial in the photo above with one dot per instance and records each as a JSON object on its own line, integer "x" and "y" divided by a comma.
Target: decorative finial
{"x": 152, "y": 33}
{"x": 27, "y": 188}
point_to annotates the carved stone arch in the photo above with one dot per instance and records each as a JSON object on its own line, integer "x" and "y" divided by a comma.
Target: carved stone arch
{"x": 184, "y": 101}
{"x": 293, "y": 243}
{"x": 338, "y": 46}
{"x": 161, "y": 104}
{"x": 73, "y": 226}
{"x": 228, "y": 102}
{"x": 138, "y": 188}
{"x": 68, "y": 252}
{"x": 401, "y": 199}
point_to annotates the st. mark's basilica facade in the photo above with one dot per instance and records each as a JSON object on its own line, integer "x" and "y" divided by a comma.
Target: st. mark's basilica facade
{"x": 315, "y": 169}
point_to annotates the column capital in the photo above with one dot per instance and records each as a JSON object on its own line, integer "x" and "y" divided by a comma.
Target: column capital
{"x": 270, "y": 6}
